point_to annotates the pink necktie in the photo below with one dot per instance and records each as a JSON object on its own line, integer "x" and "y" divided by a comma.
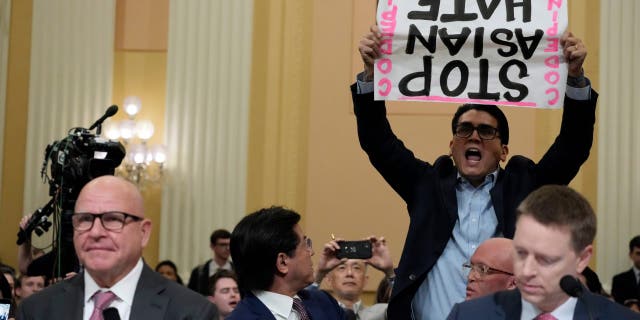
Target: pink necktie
{"x": 298, "y": 307}
{"x": 545, "y": 316}
{"x": 101, "y": 300}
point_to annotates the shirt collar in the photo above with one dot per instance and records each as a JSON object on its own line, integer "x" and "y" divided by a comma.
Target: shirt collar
{"x": 635, "y": 272}
{"x": 356, "y": 306}
{"x": 124, "y": 289}
{"x": 276, "y": 303}
{"x": 490, "y": 178}
{"x": 562, "y": 312}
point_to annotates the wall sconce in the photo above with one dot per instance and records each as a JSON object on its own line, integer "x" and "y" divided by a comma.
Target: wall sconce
{"x": 143, "y": 163}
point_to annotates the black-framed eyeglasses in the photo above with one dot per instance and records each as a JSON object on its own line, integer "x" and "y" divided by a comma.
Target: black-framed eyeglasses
{"x": 485, "y": 131}
{"x": 112, "y": 220}
{"x": 481, "y": 269}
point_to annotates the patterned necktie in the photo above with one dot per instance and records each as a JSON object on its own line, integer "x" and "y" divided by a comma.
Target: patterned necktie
{"x": 545, "y": 316}
{"x": 299, "y": 308}
{"x": 101, "y": 300}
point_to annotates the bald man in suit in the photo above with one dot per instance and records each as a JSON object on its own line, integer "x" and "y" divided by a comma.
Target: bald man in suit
{"x": 110, "y": 232}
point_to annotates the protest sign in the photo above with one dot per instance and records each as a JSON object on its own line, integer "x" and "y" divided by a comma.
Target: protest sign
{"x": 504, "y": 52}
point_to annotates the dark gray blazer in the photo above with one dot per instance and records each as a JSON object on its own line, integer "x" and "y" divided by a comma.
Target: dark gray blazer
{"x": 507, "y": 305}
{"x": 155, "y": 298}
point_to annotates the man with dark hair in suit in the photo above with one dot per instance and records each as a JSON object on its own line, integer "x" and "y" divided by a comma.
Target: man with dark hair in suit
{"x": 200, "y": 275}
{"x": 110, "y": 232}
{"x": 626, "y": 285}
{"x": 466, "y": 196}
{"x": 553, "y": 239}
{"x": 272, "y": 257}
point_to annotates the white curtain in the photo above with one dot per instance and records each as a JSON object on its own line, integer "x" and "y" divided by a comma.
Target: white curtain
{"x": 208, "y": 76}
{"x": 70, "y": 81}
{"x": 5, "y": 21}
{"x": 619, "y": 136}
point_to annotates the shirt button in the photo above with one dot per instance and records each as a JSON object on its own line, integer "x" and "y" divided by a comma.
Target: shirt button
{"x": 412, "y": 277}
{"x": 473, "y": 246}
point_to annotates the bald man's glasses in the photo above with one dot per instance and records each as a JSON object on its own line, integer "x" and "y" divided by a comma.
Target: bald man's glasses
{"x": 481, "y": 269}
{"x": 112, "y": 220}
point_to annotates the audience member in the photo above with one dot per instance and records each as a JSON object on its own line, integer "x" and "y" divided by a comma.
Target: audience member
{"x": 5, "y": 293}
{"x": 26, "y": 252}
{"x": 272, "y": 257}
{"x": 348, "y": 277}
{"x": 219, "y": 244}
{"x": 384, "y": 290}
{"x": 465, "y": 197}
{"x": 224, "y": 292}
{"x": 10, "y": 275}
{"x": 26, "y": 286}
{"x": 590, "y": 279}
{"x": 491, "y": 268}
{"x": 110, "y": 231}
{"x": 553, "y": 239}
{"x": 169, "y": 270}
{"x": 626, "y": 285}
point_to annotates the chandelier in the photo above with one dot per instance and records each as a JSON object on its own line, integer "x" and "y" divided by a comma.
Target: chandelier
{"x": 143, "y": 162}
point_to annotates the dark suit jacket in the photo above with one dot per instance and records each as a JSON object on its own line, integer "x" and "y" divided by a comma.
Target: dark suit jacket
{"x": 429, "y": 190}
{"x": 624, "y": 287}
{"x": 319, "y": 304}
{"x": 155, "y": 298}
{"x": 507, "y": 305}
{"x": 199, "y": 279}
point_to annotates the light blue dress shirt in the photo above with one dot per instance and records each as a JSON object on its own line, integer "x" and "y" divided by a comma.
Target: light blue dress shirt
{"x": 476, "y": 222}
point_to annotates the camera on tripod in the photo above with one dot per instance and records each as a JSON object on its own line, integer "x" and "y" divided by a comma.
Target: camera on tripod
{"x": 75, "y": 160}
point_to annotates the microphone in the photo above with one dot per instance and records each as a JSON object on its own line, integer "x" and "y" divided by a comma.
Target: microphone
{"x": 573, "y": 287}
{"x": 110, "y": 314}
{"x": 109, "y": 113}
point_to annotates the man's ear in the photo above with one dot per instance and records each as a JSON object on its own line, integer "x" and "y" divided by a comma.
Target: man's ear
{"x": 504, "y": 153}
{"x": 512, "y": 283}
{"x": 451, "y": 148}
{"x": 282, "y": 263}
{"x": 584, "y": 257}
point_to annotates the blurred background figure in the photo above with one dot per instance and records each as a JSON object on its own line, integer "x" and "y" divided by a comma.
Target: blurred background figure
{"x": 26, "y": 286}
{"x": 490, "y": 269}
{"x": 219, "y": 244}
{"x": 224, "y": 292}
{"x": 169, "y": 270}
{"x": 626, "y": 285}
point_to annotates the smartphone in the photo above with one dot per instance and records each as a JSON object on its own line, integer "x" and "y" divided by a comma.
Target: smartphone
{"x": 354, "y": 249}
{"x": 5, "y": 308}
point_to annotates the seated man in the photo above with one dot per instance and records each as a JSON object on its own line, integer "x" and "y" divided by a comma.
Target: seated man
{"x": 26, "y": 286}
{"x": 110, "y": 231}
{"x": 272, "y": 257}
{"x": 491, "y": 268}
{"x": 224, "y": 292}
{"x": 625, "y": 284}
{"x": 554, "y": 233}
{"x": 348, "y": 277}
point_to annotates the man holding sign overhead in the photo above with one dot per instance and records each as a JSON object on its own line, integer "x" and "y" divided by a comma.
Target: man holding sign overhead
{"x": 466, "y": 197}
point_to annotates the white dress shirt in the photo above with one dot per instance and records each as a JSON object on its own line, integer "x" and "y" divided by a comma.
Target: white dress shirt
{"x": 124, "y": 289}
{"x": 279, "y": 304}
{"x": 563, "y": 312}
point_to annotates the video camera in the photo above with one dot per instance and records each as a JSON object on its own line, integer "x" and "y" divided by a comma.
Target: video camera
{"x": 75, "y": 160}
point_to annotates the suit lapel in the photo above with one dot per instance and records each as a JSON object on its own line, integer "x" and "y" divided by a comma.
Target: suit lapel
{"x": 148, "y": 301}
{"x": 71, "y": 302}
{"x": 448, "y": 185}
{"x": 508, "y": 304}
